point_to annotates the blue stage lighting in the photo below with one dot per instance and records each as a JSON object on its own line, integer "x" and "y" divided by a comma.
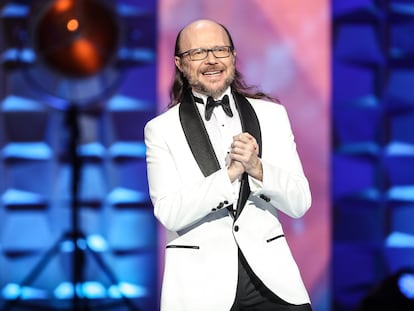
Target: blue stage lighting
{"x": 93, "y": 290}
{"x": 67, "y": 246}
{"x": 97, "y": 243}
{"x": 64, "y": 291}
{"x": 406, "y": 285}
{"x": 89, "y": 290}
{"x": 127, "y": 290}
{"x": 13, "y": 291}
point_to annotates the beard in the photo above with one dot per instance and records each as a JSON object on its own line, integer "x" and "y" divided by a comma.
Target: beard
{"x": 207, "y": 90}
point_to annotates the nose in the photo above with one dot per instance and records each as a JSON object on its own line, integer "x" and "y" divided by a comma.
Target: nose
{"x": 210, "y": 57}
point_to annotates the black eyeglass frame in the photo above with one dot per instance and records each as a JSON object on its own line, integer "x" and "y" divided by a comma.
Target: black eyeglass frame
{"x": 212, "y": 50}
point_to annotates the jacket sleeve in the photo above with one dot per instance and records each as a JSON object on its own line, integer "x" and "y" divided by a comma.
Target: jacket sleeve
{"x": 180, "y": 201}
{"x": 284, "y": 185}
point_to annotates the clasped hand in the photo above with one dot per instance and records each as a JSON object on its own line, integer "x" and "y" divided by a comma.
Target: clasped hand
{"x": 244, "y": 157}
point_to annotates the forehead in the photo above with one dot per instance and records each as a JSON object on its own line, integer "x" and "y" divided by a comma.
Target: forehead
{"x": 203, "y": 35}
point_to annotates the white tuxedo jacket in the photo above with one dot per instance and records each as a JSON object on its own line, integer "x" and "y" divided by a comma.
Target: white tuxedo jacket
{"x": 190, "y": 192}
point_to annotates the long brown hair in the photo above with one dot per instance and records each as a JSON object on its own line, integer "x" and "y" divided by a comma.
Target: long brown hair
{"x": 180, "y": 83}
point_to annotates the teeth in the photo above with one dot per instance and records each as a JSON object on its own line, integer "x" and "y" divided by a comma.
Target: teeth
{"x": 212, "y": 73}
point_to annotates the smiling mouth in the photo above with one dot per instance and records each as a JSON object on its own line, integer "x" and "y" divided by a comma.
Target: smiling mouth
{"x": 212, "y": 73}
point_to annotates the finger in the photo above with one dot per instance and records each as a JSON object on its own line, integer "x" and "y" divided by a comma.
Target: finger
{"x": 238, "y": 137}
{"x": 247, "y": 136}
{"x": 246, "y": 149}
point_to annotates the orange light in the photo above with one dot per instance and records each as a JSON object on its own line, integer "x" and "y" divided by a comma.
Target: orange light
{"x": 85, "y": 55}
{"x": 63, "y": 5}
{"x": 75, "y": 47}
{"x": 72, "y": 24}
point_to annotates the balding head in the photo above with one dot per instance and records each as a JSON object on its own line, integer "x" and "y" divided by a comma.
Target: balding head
{"x": 200, "y": 33}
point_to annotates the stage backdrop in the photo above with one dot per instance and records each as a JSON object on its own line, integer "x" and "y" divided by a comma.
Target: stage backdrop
{"x": 372, "y": 154}
{"x": 77, "y": 87}
{"x": 284, "y": 47}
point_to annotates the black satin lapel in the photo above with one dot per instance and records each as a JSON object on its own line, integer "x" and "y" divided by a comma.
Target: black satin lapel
{"x": 197, "y": 136}
{"x": 250, "y": 124}
{"x": 243, "y": 194}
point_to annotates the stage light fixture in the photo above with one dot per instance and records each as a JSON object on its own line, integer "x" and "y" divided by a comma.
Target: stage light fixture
{"x": 406, "y": 284}
{"x": 77, "y": 38}
{"x": 76, "y": 47}
{"x": 395, "y": 292}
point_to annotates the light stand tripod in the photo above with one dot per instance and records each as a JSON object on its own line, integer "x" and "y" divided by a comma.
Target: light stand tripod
{"x": 75, "y": 236}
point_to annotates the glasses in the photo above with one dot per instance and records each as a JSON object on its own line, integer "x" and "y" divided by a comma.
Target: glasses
{"x": 200, "y": 53}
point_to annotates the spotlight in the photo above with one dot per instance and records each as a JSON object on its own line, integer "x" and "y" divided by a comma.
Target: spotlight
{"x": 406, "y": 284}
{"x": 395, "y": 292}
{"x": 77, "y": 38}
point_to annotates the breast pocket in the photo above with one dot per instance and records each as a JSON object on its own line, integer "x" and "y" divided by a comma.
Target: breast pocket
{"x": 275, "y": 238}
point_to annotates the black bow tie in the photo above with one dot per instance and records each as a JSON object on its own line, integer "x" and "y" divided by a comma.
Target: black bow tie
{"x": 211, "y": 104}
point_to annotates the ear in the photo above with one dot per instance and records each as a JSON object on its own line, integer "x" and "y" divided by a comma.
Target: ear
{"x": 177, "y": 61}
{"x": 234, "y": 53}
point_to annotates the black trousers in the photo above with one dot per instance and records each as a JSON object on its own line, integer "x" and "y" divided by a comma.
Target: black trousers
{"x": 253, "y": 295}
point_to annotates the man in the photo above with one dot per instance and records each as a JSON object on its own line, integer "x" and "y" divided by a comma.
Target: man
{"x": 218, "y": 176}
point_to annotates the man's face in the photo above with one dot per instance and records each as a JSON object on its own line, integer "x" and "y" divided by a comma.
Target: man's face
{"x": 210, "y": 76}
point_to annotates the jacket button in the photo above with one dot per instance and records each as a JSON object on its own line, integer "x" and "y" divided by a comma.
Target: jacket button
{"x": 262, "y": 196}
{"x": 220, "y": 205}
{"x": 213, "y": 209}
{"x": 236, "y": 228}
